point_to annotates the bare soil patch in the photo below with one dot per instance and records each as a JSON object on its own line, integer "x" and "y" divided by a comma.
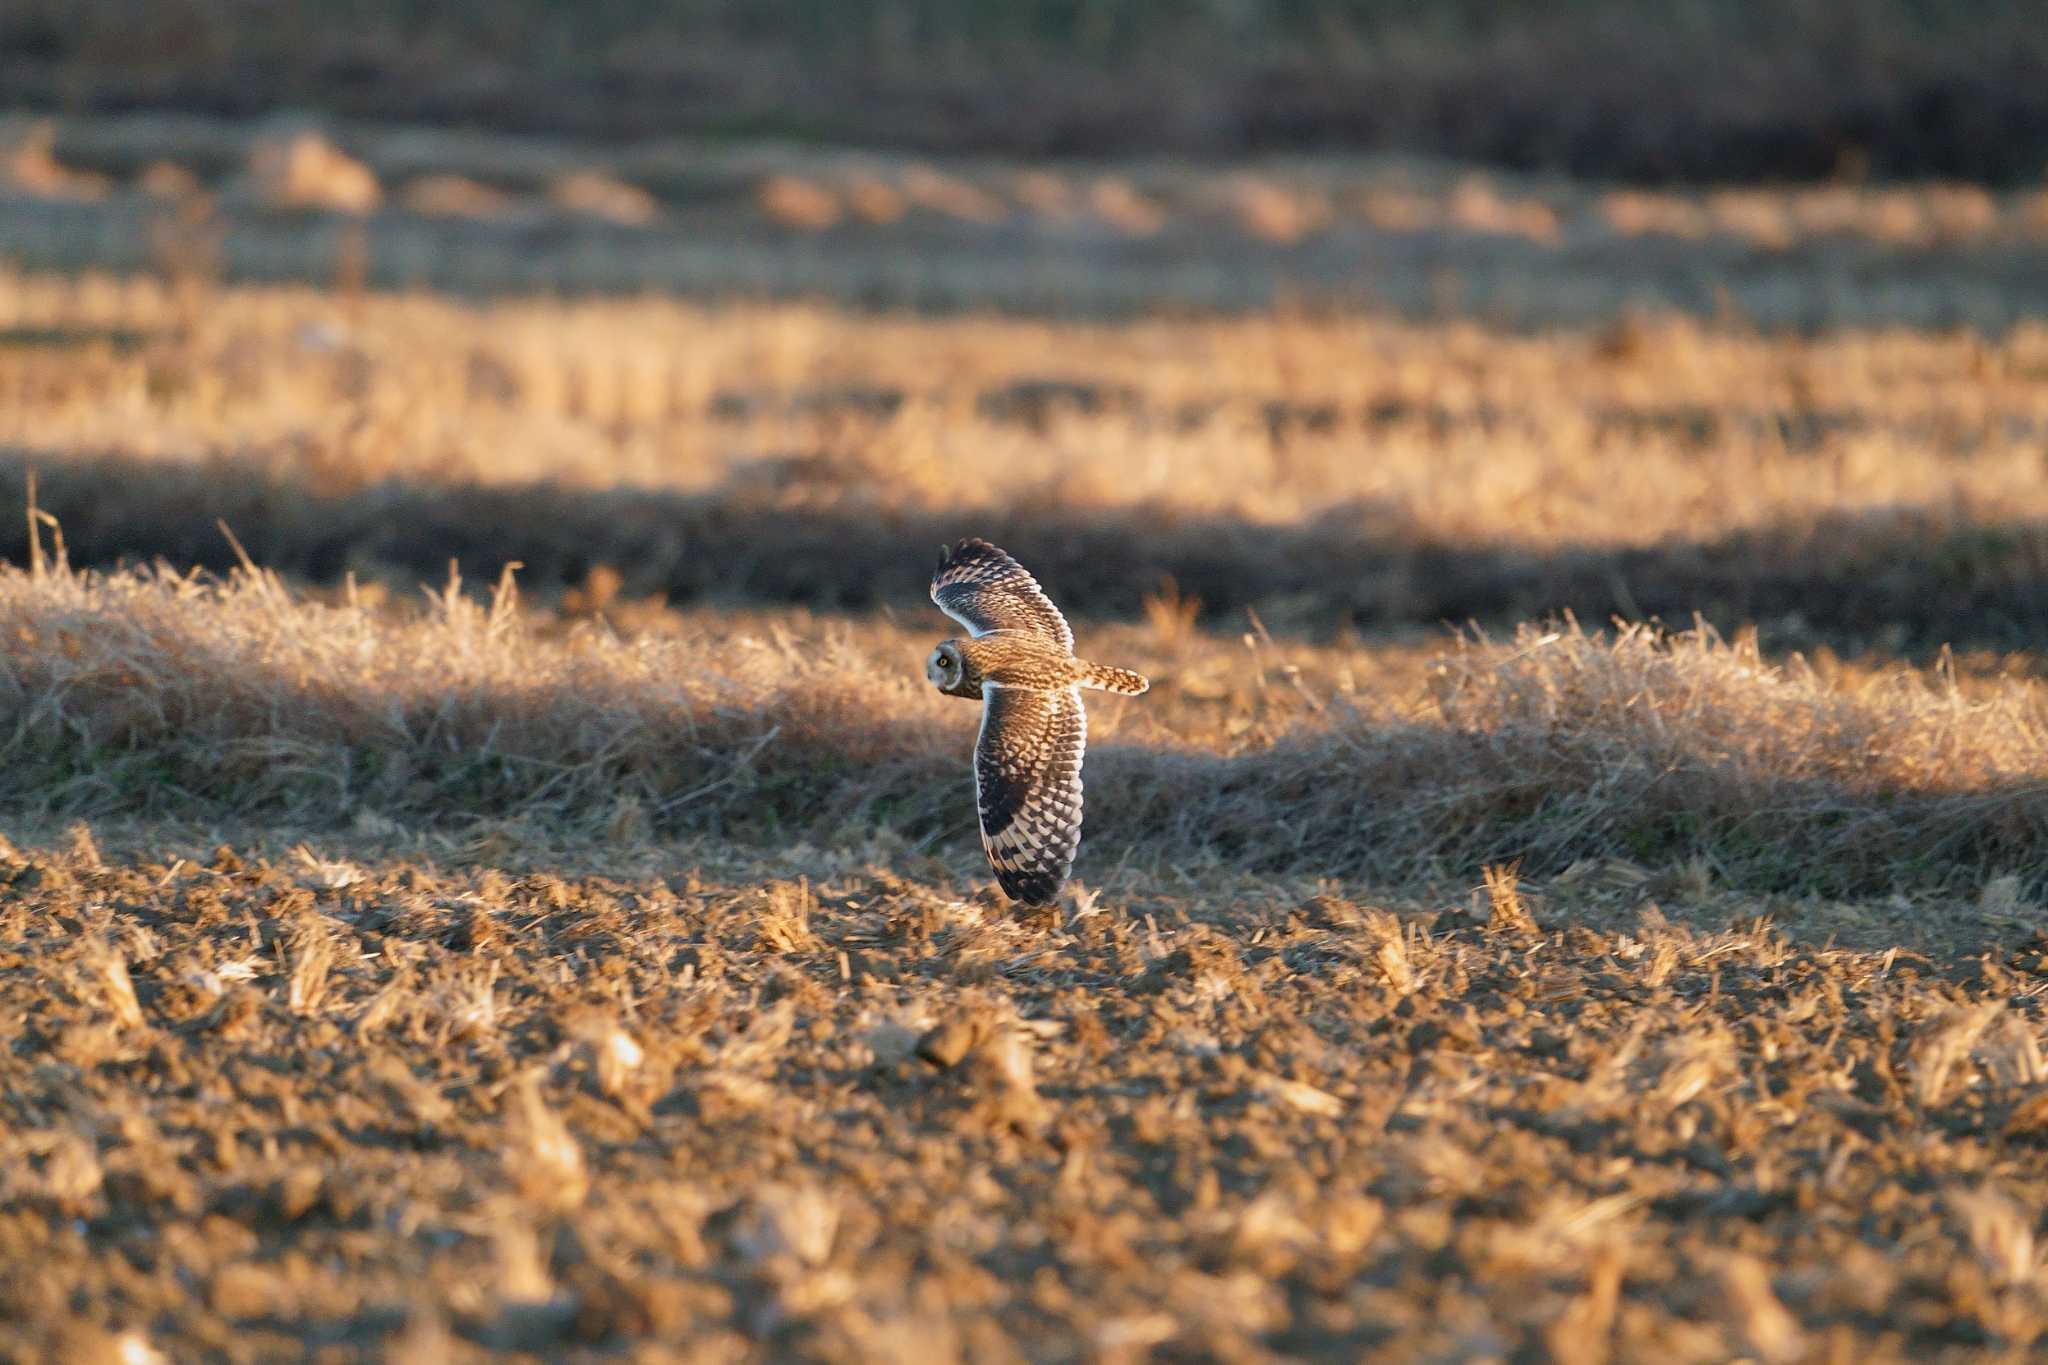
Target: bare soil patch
{"x": 356, "y": 1101}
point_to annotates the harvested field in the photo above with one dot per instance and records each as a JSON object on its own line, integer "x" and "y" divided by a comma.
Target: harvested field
{"x": 482, "y": 877}
{"x": 464, "y": 981}
{"x": 495, "y": 1098}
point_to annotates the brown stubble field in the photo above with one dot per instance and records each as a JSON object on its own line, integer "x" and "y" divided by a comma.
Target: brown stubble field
{"x": 410, "y": 959}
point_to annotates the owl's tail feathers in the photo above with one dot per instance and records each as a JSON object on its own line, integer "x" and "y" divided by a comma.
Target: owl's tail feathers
{"x": 1113, "y": 679}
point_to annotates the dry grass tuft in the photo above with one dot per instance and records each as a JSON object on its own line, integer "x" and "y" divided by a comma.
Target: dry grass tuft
{"x": 1583, "y": 1333}
{"x": 1171, "y": 614}
{"x": 312, "y": 958}
{"x": 1759, "y": 1318}
{"x": 116, "y": 987}
{"x": 544, "y": 1159}
{"x": 617, "y": 1057}
{"x": 454, "y": 196}
{"x": 594, "y": 194}
{"x": 797, "y": 1222}
{"x": 794, "y": 202}
{"x": 785, "y": 919}
{"x": 1944, "y": 1046}
{"x": 29, "y": 164}
{"x": 1390, "y": 951}
{"x": 304, "y": 170}
{"x": 2003, "y": 1237}
{"x": 1507, "y": 912}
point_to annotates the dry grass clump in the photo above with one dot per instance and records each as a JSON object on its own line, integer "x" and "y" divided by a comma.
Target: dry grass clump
{"x": 445, "y": 195}
{"x": 270, "y": 702}
{"x": 151, "y": 693}
{"x": 793, "y": 202}
{"x": 159, "y": 689}
{"x": 1656, "y": 742}
{"x": 302, "y": 169}
{"x": 1684, "y": 752}
{"x": 597, "y": 195}
{"x": 28, "y": 164}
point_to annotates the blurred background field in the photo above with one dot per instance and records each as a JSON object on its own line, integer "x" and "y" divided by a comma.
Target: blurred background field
{"x": 1702, "y": 91}
{"x": 294, "y": 196}
{"x": 481, "y": 873}
{"x": 1800, "y": 165}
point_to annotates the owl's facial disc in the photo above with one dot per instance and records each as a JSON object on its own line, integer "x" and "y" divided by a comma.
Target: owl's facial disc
{"x": 943, "y": 668}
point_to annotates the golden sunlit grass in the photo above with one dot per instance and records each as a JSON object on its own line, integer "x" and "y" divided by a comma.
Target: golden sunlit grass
{"x": 155, "y": 695}
{"x": 1618, "y": 436}
{"x": 1322, "y": 470}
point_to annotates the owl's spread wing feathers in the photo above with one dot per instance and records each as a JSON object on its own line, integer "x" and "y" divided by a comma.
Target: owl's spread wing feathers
{"x": 1027, "y": 784}
{"x": 985, "y": 590}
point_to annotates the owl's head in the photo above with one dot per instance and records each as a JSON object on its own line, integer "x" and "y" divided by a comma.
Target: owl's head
{"x": 948, "y": 671}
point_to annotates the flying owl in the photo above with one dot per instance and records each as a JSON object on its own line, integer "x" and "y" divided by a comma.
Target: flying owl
{"x": 1019, "y": 663}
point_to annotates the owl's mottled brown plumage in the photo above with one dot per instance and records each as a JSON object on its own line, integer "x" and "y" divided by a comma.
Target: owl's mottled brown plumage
{"x": 987, "y": 591}
{"x": 1019, "y": 663}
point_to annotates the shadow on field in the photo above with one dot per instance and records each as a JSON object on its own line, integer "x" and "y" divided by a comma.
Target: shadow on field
{"x": 1894, "y": 578}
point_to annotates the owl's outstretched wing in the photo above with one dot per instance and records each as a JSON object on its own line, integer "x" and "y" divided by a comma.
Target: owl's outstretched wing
{"x": 985, "y": 590}
{"x": 1027, "y": 784}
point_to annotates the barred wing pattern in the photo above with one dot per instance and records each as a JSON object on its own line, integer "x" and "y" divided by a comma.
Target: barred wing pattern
{"x": 1027, "y": 783}
{"x": 985, "y": 590}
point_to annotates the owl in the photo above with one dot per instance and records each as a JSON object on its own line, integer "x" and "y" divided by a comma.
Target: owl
{"x": 1018, "y": 662}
